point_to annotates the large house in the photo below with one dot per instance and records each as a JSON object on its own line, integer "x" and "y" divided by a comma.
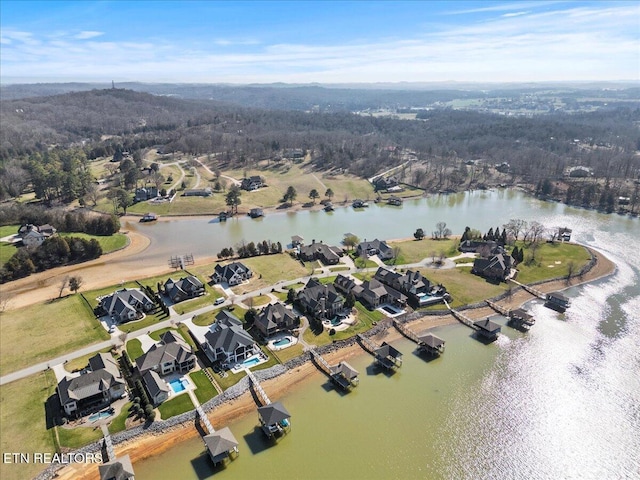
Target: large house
{"x": 227, "y": 341}
{"x": 374, "y": 293}
{"x": 274, "y": 318}
{"x": 34, "y": 235}
{"x": 497, "y": 267}
{"x": 484, "y": 248}
{"x": 97, "y": 387}
{"x": 157, "y": 388}
{"x": 183, "y": 289}
{"x": 252, "y": 183}
{"x": 232, "y": 274}
{"x": 198, "y": 192}
{"x": 171, "y": 354}
{"x": 320, "y": 251}
{"x": 125, "y": 305}
{"x": 375, "y": 247}
{"x": 320, "y": 301}
{"x": 417, "y": 288}
{"x": 145, "y": 193}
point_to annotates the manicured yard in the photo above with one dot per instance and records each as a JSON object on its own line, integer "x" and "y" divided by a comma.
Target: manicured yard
{"x": 413, "y": 251}
{"x": 209, "y": 317}
{"x": 229, "y": 380}
{"x": 257, "y": 301}
{"x": 364, "y": 321}
{"x": 270, "y": 270}
{"x": 24, "y": 424}
{"x": 134, "y": 349}
{"x": 44, "y": 331}
{"x": 552, "y": 260}
{"x": 176, "y": 406}
{"x": 81, "y": 436}
{"x": 92, "y": 295}
{"x": 118, "y": 423}
{"x": 108, "y": 243}
{"x": 81, "y": 362}
{"x": 290, "y": 352}
{"x": 205, "y": 390}
{"x": 7, "y": 249}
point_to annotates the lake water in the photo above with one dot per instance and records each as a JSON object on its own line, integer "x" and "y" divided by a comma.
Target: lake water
{"x": 561, "y": 401}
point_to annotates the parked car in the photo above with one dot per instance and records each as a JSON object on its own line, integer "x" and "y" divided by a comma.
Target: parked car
{"x": 219, "y": 301}
{"x": 112, "y": 329}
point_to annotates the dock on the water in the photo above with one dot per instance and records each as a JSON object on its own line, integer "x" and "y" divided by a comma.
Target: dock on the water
{"x": 221, "y": 444}
{"x": 385, "y": 355}
{"x": 114, "y": 467}
{"x": 518, "y": 318}
{"x": 557, "y": 301}
{"x": 431, "y": 344}
{"x": 274, "y": 418}
{"x": 487, "y": 328}
{"x": 342, "y": 374}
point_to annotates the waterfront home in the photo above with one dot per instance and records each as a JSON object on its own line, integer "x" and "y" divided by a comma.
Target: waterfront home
{"x": 374, "y": 293}
{"x": 344, "y": 284}
{"x": 118, "y": 469}
{"x": 320, "y": 251}
{"x": 417, "y": 288}
{"x": 145, "y": 193}
{"x": 98, "y": 385}
{"x": 483, "y": 248}
{"x": 252, "y": 183}
{"x": 35, "y": 235}
{"x": 557, "y": 301}
{"x": 319, "y": 300}
{"x": 497, "y": 267}
{"x": 227, "y": 341}
{"x": 157, "y": 388}
{"x": 232, "y": 274}
{"x": 170, "y": 354}
{"x": 125, "y": 305}
{"x": 382, "y": 183}
{"x": 183, "y": 289}
{"x": 274, "y": 318}
{"x": 220, "y": 445}
{"x": 375, "y": 247}
{"x": 198, "y": 192}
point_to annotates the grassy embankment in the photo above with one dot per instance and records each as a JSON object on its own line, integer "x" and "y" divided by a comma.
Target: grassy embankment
{"x": 552, "y": 260}
{"x": 414, "y": 251}
{"x": 47, "y": 330}
{"x": 175, "y": 406}
{"x": 205, "y": 390}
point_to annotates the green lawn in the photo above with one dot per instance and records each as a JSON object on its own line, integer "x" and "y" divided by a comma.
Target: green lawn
{"x": 45, "y": 331}
{"x": 463, "y": 286}
{"x": 7, "y": 249}
{"x": 23, "y": 421}
{"x": 229, "y": 380}
{"x": 413, "y": 251}
{"x": 552, "y": 260}
{"x": 176, "y": 406}
{"x": 205, "y": 390}
{"x": 269, "y": 270}
{"x": 81, "y": 362}
{"x": 134, "y": 349}
{"x": 92, "y": 295}
{"x": 81, "y": 436}
{"x": 364, "y": 322}
{"x": 291, "y": 352}
{"x": 258, "y": 301}
{"x": 118, "y": 423}
{"x": 109, "y": 243}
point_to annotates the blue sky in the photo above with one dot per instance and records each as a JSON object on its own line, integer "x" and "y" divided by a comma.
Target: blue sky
{"x": 326, "y": 42}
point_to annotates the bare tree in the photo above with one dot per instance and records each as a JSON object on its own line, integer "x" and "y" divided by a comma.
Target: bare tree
{"x": 63, "y": 284}
{"x": 93, "y": 193}
{"x": 75, "y": 283}
{"x": 515, "y": 226}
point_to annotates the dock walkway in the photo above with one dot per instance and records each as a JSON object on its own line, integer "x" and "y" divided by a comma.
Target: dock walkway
{"x": 341, "y": 374}
{"x": 108, "y": 444}
{"x": 462, "y": 318}
{"x": 533, "y": 291}
{"x": 258, "y": 388}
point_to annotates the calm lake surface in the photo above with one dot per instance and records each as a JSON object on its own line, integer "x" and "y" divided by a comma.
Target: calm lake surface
{"x": 562, "y": 401}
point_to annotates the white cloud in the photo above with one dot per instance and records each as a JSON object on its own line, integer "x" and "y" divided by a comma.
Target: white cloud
{"x": 84, "y": 35}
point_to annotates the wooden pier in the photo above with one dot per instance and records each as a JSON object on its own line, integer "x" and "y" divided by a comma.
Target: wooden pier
{"x": 485, "y": 328}
{"x": 385, "y": 355}
{"x": 342, "y": 374}
{"x": 533, "y": 291}
{"x": 518, "y": 318}
{"x": 114, "y": 467}
{"x": 554, "y": 300}
{"x": 220, "y": 444}
{"x": 427, "y": 342}
{"x": 274, "y": 418}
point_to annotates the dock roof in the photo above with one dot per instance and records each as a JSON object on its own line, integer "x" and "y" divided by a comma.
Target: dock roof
{"x": 346, "y": 370}
{"x": 385, "y": 350}
{"x": 273, "y": 413}
{"x": 431, "y": 340}
{"x": 487, "y": 325}
{"x": 220, "y": 443}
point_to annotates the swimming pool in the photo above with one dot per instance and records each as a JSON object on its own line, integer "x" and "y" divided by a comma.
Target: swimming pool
{"x": 99, "y": 416}
{"x": 282, "y": 342}
{"x": 251, "y": 362}
{"x": 178, "y": 385}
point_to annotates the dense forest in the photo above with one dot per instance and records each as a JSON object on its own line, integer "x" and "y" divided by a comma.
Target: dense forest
{"x": 46, "y": 142}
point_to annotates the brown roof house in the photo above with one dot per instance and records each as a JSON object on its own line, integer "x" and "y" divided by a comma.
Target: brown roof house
{"x": 497, "y": 267}
{"x": 320, "y": 301}
{"x": 274, "y": 318}
{"x": 320, "y": 251}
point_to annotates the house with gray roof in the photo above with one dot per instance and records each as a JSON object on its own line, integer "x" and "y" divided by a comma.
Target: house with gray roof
{"x": 171, "y": 354}
{"x": 374, "y": 293}
{"x": 227, "y": 341}
{"x": 375, "y": 247}
{"x": 344, "y": 284}
{"x": 320, "y": 251}
{"x": 274, "y": 318}
{"x": 118, "y": 469}
{"x": 35, "y": 235}
{"x": 183, "y": 289}
{"x": 497, "y": 267}
{"x": 418, "y": 289}
{"x": 157, "y": 388}
{"x": 125, "y": 305}
{"x": 319, "y": 300}
{"x": 99, "y": 385}
{"x": 232, "y": 274}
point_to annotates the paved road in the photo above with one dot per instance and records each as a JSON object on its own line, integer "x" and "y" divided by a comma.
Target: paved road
{"x": 175, "y": 319}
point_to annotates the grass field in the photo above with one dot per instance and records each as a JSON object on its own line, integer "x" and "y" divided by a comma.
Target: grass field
{"x": 269, "y": 270}
{"x": 24, "y": 425}
{"x": 412, "y": 251}
{"x": 552, "y": 260}
{"x": 463, "y": 286}
{"x": 46, "y": 330}
{"x": 205, "y": 390}
{"x": 108, "y": 243}
{"x": 134, "y": 349}
{"x": 209, "y": 317}
{"x": 175, "y": 406}
{"x": 291, "y": 352}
